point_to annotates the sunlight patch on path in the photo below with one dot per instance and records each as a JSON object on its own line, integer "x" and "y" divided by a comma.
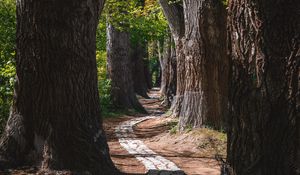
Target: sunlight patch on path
{"x": 150, "y": 159}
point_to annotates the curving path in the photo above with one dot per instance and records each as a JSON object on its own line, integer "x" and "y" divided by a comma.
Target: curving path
{"x": 154, "y": 163}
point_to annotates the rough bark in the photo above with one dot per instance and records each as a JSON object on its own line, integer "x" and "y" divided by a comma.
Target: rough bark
{"x": 139, "y": 75}
{"x": 206, "y": 66}
{"x": 263, "y": 135}
{"x": 56, "y": 110}
{"x": 167, "y": 80}
{"x": 163, "y": 57}
{"x": 119, "y": 67}
{"x": 172, "y": 80}
{"x": 175, "y": 16}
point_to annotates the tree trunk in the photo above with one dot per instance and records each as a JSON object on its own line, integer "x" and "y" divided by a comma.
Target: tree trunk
{"x": 167, "y": 80}
{"x": 56, "y": 108}
{"x": 264, "y": 128}
{"x": 206, "y": 64}
{"x": 120, "y": 70}
{"x": 175, "y": 16}
{"x": 172, "y": 80}
{"x": 147, "y": 73}
{"x": 139, "y": 75}
{"x": 164, "y": 57}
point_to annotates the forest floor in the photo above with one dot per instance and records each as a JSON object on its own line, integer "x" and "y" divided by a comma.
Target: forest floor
{"x": 192, "y": 151}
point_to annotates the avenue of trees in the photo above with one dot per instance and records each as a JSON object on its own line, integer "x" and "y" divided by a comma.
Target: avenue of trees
{"x": 232, "y": 66}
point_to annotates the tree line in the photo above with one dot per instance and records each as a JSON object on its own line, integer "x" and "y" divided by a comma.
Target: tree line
{"x": 228, "y": 65}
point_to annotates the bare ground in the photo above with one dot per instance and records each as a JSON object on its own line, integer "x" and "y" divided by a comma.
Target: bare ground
{"x": 192, "y": 151}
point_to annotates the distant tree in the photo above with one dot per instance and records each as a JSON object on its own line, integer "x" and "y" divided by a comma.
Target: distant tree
{"x": 139, "y": 68}
{"x": 264, "y": 122}
{"x": 119, "y": 68}
{"x": 55, "y": 118}
{"x": 167, "y": 61}
{"x": 172, "y": 75}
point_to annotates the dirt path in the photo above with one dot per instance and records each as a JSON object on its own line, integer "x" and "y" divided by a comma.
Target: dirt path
{"x": 141, "y": 143}
{"x": 188, "y": 151}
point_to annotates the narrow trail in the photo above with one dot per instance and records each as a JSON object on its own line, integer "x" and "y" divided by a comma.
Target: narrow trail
{"x": 141, "y": 144}
{"x": 151, "y": 160}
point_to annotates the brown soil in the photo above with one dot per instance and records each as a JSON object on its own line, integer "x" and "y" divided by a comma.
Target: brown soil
{"x": 192, "y": 151}
{"x": 181, "y": 148}
{"x": 123, "y": 160}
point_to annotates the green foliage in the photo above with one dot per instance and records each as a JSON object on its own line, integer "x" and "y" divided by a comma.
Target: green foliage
{"x": 7, "y": 54}
{"x": 101, "y": 35}
{"x": 144, "y": 20}
{"x": 225, "y": 2}
{"x": 188, "y": 128}
{"x": 173, "y": 127}
{"x": 103, "y": 83}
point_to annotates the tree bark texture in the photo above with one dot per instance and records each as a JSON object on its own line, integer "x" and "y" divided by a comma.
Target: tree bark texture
{"x": 120, "y": 69}
{"x": 264, "y": 133}
{"x": 56, "y": 109}
{"x": 175, "y": 16}
{"x": 172, "y": 79}
{"x": 206, "y": 64}
{"x": 167, "y": 80}
{"x": 139, "y": 74}
{"x": 164, "y": 56}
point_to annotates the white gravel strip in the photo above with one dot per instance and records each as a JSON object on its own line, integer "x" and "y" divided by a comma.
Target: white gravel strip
{"x": 150, "y": 159}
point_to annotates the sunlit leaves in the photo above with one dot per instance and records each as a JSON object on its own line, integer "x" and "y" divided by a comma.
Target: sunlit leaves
{"x": 142, "y": 18}
{"x": 7, "y": 54}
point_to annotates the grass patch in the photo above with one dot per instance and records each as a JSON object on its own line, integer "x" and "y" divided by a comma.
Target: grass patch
{"x": 173, "y": 127}
{"x": 168, "y": 113}
{"x": 211, "y": 140}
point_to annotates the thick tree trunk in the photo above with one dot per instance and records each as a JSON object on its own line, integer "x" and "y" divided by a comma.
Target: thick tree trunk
{"x": 56, "y": 108}
{"x": 206, "y": 64}
{"x": 175, "y": 16}
{"x": 264, "y": 129}
{"x": 120, "y": 69}
{"x": 139, "y": 73}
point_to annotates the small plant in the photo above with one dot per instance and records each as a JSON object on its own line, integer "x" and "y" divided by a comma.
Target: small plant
{"x": 168, "y": 113}
{"x": 173, "y": 127}
{"x": 173, "y": 130}
{"x": 188, "y": 128}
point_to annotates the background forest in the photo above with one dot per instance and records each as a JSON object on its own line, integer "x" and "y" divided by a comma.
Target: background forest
{"x": 146, "y": 23}
{"x": 212, "y": 85}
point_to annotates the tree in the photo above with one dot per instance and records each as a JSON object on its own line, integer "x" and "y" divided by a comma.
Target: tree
{"x": 172, "y": 76}
{"x": 168, "y": 69}
{"x": 206, "y": 64}
{"x": 55, "y": 118}
{"x": 175, "y": 16}
{"x": 147, "y": 73}
{"x": 139, "y": 68}
{"x": 119, "y": 69}
{"x": 264, "y": 122}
